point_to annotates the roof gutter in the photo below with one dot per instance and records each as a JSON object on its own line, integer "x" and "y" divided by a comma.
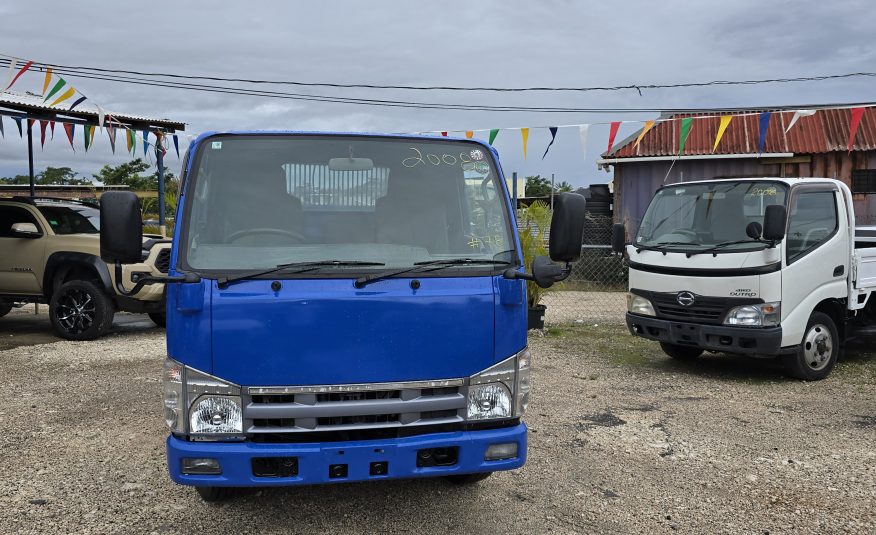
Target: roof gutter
{"x": 609, "y": 161}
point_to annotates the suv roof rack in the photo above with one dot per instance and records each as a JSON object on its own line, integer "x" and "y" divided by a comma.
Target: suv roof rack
{"x": 34, "y": 200}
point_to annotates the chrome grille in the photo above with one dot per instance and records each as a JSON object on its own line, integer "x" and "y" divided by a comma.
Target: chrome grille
{"x": 351, "y": 407}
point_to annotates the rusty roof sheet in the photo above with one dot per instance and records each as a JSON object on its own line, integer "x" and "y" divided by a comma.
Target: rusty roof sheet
{"x": 826, "y": 131}
{"x": 35, "y": 105}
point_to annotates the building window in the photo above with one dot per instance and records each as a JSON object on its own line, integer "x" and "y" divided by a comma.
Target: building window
{"x": 864, "y": 181}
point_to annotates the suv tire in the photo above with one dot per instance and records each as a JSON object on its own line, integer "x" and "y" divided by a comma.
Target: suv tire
{"x": 680, "y": 352}
{"x": 159, "y": 318}
{"x": 5, "y": 308}
{"x": 79, "y": 310}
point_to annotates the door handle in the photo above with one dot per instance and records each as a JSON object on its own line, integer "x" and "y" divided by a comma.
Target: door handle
{"x": 839, "y": 270}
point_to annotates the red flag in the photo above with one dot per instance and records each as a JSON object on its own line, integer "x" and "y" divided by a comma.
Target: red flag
{"x": 43, "y": 125}
{"x": 17, "y": 76}
{"x": 612, "y": 133}
{"x": 444, "y": 134}
{"x": 857, "y": 114}
{"x": 69, "y": 129}
{"x": 52, "y": 128}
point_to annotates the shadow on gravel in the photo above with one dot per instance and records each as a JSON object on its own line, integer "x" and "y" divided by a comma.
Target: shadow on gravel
{"x": 22, "y": 327}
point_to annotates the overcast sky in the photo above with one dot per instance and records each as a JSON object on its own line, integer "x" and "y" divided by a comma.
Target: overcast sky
{"x": 501, "y": 43}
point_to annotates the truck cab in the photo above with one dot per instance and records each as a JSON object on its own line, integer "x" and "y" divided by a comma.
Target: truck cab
{"x": 344, "y": 307}
{"x": 765, "y": 267}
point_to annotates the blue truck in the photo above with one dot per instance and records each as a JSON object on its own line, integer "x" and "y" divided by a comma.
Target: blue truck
{"x": 343, "y": 307}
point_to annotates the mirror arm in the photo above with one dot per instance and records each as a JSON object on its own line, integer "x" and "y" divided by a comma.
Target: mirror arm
{"x": 143, "y": 281}
{"x": 511, "y": 273}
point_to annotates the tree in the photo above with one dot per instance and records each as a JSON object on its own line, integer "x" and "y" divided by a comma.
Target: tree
{"x": 562, "y": 187}
{"x": 60, "y": 175}
{"x": 127, "y": 174}
{"x": 536, "y": 186}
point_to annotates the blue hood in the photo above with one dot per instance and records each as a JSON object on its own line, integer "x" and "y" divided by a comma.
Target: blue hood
{"x": 326, "y": 331}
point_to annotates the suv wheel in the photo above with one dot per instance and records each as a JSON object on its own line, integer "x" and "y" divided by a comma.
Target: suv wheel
{"x": 159, "y": 318}
{"x": 5, "y": 308}
{"x": 79, "y": 310}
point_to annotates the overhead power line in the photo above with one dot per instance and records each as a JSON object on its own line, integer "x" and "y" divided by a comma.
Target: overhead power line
{"x": 635, "y": 87}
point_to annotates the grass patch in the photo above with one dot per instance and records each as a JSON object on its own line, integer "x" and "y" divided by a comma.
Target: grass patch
{"x": 610, "y": 341}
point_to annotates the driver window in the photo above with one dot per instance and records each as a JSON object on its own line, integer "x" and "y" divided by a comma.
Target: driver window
{"x": 812, "y": 221}
{"x": 10, "y": 215}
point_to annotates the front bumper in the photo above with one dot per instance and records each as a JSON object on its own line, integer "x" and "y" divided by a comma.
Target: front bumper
{"x": 314, "y": 458}
{"x": 765, "y": 341}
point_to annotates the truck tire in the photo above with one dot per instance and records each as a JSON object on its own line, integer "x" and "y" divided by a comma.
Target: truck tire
{"x": 79, "y": 310}
{"x": 818, "y": 351}
{"x": 159, "y": 318}
{"x": 680, "y": 352}
{"x": 215, "y": 494}
{"x": 468, "y": 479}
{"x": 5, "y": 308}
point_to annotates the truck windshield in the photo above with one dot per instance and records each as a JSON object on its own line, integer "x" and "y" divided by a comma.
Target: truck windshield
{"x": 262, "y": 200}
{"x": 695, "y": 217}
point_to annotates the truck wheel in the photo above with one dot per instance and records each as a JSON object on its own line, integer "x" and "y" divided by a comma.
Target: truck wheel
{"x": 159, "y": 318}
{"x": 79, "y": 310}
{"x": 5, "y": 308}
{"x": 468, "y": 479}
{"x": 817, "y": 354}
{"x": 680, "y": 352}
{"x": 215, "y": 494}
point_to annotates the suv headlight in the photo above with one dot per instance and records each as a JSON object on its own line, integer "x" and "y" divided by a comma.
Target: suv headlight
{"x": 761, "y": 315}
{"x": 206, "y": 404}
{"x": 636, "y": 304}
{"x": 500, "y": 391}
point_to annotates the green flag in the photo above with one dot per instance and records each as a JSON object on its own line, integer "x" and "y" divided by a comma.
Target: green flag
{"x": 685, "y": 131}
{"x": 57, "y": 87}
{"x": 493, "y": 133}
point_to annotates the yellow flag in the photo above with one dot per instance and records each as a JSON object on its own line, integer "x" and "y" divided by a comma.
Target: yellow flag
{"x": 47, "y": 80}
{"x": 725, "y": 120}
{"x": 648, "y": 126}
{"x": 524, "y": 133}
{"x": 67, "y": 94}
{"x": 469, "y": 134}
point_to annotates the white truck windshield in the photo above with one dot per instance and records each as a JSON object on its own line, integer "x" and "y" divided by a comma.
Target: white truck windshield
{"x": 258, "y": 201}
{"x": 695, "y": 217}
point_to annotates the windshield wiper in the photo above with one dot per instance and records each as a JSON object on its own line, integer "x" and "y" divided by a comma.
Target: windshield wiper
{"x": 734, "y": 242}
{"x": 657, "y": 246}
{"x": 428, "y": 265}
{"x": 305, "y": 267}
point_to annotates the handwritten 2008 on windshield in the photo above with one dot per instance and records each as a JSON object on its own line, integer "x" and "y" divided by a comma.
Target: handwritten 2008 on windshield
{"x": 466, "y": 160}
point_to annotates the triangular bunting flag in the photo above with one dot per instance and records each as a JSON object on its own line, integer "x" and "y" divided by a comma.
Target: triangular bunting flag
{"x": 64, "y": 96}
{"x": 524, "y": 133}
{"x": 444, "y": 134}
{"x": 101, "y": 116}
{"x": 52, "y": 128}
{"x": 11, "y": 71}
{"x": 857, "y": 114}
{"x": 176, "y": 145}
{"x": 18, "y": 124}
{"x": 493, "y": 133}
{"x": 129, "y": 140}
{"x": 612, "y": 133}
{"x": 764, "y": 125}
{"x": 55, "y": 88}
{"x": 553, "y": 131}
{"x": 47, "y": 80}
{"x": 582, "y": 135}
{"x": 469, "y": 134}
{"x": 86, "y": 135}
{"x": 111, "y": 134}
{"x": 17, "y": 76}
{"x": 797, "y": 115}
{"x": 71, "y": 131}
{"x": 722, "y": 127}
{"x": 686, "y": 123}
{"x": 1, "y": 128}
{"x": 76, "y": 103}
{"x": 145, "y": 141}
{"x": 648, "y": 126}
{"x": 43, "y": 125}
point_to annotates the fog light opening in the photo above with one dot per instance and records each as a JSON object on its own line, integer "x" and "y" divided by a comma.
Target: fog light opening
{"x": 498, "y": 452}
{"x": 201, "y": 466}
{"x": 337, "y": 471}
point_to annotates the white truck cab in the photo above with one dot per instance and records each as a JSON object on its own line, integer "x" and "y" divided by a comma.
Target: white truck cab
{"x": 759, "y": 266}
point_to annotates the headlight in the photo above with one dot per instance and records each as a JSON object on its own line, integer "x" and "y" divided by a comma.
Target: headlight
{"x": 762, "y": 315}
{"x": 636, "y": 304}
{"x": 500, "y": 391}
{"x": 209, "y": 405}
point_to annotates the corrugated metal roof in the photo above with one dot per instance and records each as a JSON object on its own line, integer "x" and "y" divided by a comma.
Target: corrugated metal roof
{"x": 35, "y": 104}
{"x": 826, "y": 131}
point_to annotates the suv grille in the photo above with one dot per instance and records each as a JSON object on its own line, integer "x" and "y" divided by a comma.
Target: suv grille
{"x": 352, "y": 407}
{"x": 162, "y": 261}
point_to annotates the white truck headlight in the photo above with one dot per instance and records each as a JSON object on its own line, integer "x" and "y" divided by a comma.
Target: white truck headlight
{"x": 636, "y": 304}
{"x": 500, "y": 391}
{"x": 198, "y": 403}
{"x": 760, "y": 315}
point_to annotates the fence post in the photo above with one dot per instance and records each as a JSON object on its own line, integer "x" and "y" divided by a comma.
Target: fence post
{"x": 514, "y": 188}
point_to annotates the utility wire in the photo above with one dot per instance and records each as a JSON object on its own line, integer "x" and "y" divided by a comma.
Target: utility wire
{"x": 635, "y": 87}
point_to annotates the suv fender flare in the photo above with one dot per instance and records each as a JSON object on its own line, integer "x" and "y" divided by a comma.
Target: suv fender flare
{"x": 62, "y": 262}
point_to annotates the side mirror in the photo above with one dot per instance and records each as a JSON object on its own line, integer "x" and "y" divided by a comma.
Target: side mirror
{"x": 774, "y": 218}
{"x": 618, "y": 237}
{"x": 567, "y": 227}
{"x": 25, "y": 230}
{"x": 545, "y": 273}
{"x": 121, "y": 228}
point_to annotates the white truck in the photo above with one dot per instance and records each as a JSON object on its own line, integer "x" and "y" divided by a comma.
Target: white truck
{"x": 766, "y": 267}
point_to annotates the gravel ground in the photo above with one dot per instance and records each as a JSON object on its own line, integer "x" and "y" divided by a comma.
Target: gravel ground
{"x": 622, "y": 441}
